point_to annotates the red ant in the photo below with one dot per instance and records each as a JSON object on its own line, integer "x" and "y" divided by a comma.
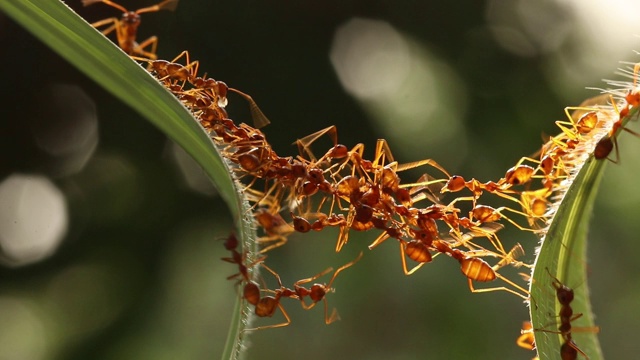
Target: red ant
{"x": 568, "y": 350}
{"x": 266, "y": 306}
{"x": 526, "y": 339}
{"x": 276, "y": 228}
{"x": 317, "y": 292}
{"x": 609, "y": 142}
{"x": 476, "y": 269}
{"x": 251, "y": 290}
{"x": 126, "y": 27}
{"x": 535, "y": 204}
{"x": 231, "y": 244}
{"x": 207, "y": 93}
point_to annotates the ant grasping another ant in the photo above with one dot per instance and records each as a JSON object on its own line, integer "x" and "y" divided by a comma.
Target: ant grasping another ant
{"x": 206, "y": 93}
{"x": 231, "y": 244}
{"x": 609, "y": 141}
{"x": 580, "y": 127}
{"x": 266, "y": 306}
{"x": 457, "y": 183}
{"x": 126, "y": 27}
{"x": 251, "y": 290}
{"x": 476, "y": 269}
{"x": 482, "y": 220}
{"x": 423, "y": 242}
{"x": 373, "y": 187}
{"x": 535, "y": 204}
{"x": 526, "y": 339}
{"x": 420, "y": 251}
{"x": 547, "y": 169}
{"x": 275, "y": 227}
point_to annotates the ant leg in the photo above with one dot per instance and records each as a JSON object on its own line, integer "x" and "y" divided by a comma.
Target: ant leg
{"x": 164, "y": 5}
{"x": 305, "y": 143}
{"x": 314, "y": 277}
{"x": 382, "y": 154}
{"x": 343, "y": 267}
{"x": 334, "y": 313}
{"x": 503, "y": 288}
{"x": 259, "y": 118}
{"x": 278, "y": 239}
{"x": 283, "y": 324}
{"x": 108, "y": 30}
{"x": 140, "y": 48}
{"x": 343, "y": 236}
{"x": 510, "y": 258}
{"x": 379, "y": 240}
{"x": 416, "y": 164}
{"x": 512, "y": 221}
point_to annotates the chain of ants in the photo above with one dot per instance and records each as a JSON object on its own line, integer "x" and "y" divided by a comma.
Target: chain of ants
{"x": 363, "y": 194}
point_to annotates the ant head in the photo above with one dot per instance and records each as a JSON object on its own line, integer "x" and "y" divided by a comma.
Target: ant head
{"x": 563, "y": 292}
{"x": 318, "y": 291}
{"x": 231, "y": 242}
{"x": 131, "y": 18}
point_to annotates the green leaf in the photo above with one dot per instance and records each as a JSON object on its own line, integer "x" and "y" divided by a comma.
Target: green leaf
{"x": 563, "y": 256}
{"x": 74, "y": 39}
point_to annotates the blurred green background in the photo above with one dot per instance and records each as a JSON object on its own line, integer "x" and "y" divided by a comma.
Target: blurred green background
{"x": 110, "y": 236}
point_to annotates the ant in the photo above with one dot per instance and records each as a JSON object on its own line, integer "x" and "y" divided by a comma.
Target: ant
{"x": 266, "y": 306}
{"x": 317, "y": 292}
{"x": 381, "y": 192}
{"x": 526, "y": 339}
{"x": 251, "y": 290}
{"x": 458, "y": 183}
{"x": 568, "y": 350}
{"x": 535, "y": 204}
{"x": 586, "y": 122}
{"x": 212, "y": 92}
{"x": 231, "y": 244}
{"x": 609, "y": 142}
{"x": 476, "y": 269}
{"x": 276, "y": 228}
{"x": 126, "y": 27}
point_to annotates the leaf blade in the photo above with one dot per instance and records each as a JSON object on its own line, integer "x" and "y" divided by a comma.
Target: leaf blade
{"x": 73, "y": 38}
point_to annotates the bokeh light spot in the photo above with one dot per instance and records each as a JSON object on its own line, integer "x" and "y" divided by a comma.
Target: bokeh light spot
{"x": 414, "y": 98}
{"x": 22, "y": 334}
{"x": 66, "y": 127}
{"x": 33, "y": 219}
{"x": 370, "y": 57}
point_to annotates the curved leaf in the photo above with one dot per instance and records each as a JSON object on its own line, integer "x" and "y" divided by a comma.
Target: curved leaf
{"x": 563, "y": 256}
{"x": 75, "y": 40}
